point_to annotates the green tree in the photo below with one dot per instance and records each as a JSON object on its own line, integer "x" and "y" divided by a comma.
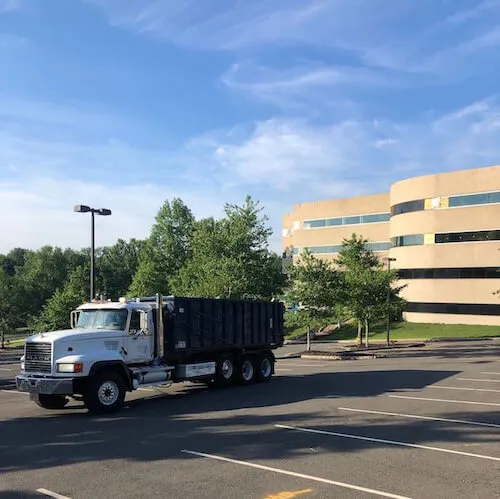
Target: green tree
{"x": 165, "y": 251}
{"x": 230, "y": 257}
{"x": 116, "y": 267}
{"x": 11, "y": 304}
{"x": 366, "y": 284}
{"x": 55, "y": 314}
{"x": 316, "y": 286}
{"x": 43, "y": 272}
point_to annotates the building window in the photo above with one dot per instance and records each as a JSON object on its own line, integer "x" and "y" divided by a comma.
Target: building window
{"x": 408, "y": 207}
{"x": 454, "y": 308}
{"x": 472, "y": 199}
{"x": 451, "y": 273}
{"x": 466, "y": 237}
{"x": 332, "y": 249}
{"x": 314, "y": 224}
{"x": 379, "y": 217}
{"x": 409, "y": 240}
{"x": 348, "y": 220}
{"x": 384, "y": 246}
{"x": 351, "y": 220}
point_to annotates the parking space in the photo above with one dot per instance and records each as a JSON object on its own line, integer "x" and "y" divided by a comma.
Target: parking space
{"x": 418, "y": 424}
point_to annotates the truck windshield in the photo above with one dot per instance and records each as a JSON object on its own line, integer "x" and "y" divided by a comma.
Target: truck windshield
{"x": 102, "y": 319}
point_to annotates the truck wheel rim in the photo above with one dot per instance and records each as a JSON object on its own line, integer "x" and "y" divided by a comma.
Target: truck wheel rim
{"x": 108, "y": 393}
{"x": 227, "y": 369}
{"x": 247, "y": 370}
{"x": 265, "y": 368}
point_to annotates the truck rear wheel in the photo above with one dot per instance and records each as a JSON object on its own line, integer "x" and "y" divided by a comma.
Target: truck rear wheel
{"x": 104, "y": 393}
{"x": 51, "y": 401}
{"x": 247, "y": 370}
{"x": 225, "y": 371}
{"x": 265, "y": 367}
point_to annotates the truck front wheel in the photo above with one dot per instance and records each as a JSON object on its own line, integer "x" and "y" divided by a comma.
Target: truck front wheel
{"x": 51, "y": 401}
{"x": 105, "y": 392}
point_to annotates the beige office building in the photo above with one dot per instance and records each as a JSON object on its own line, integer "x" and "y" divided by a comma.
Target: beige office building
{"x": 442, "y": 230}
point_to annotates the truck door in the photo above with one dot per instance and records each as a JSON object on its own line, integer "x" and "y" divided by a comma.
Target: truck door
{"x": 139, "y": 343}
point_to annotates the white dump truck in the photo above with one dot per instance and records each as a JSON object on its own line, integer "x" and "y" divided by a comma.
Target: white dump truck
{"x": 116, "y": 347}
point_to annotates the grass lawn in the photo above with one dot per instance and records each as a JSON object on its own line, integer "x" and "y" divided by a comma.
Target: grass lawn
{"x": 409, "y": 331}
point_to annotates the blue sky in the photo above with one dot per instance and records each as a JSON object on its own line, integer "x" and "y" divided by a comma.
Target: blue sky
{"x": 126, "y": 103}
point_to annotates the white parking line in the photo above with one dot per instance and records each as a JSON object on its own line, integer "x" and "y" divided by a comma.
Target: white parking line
{"x": 443, "y": 400}
{"x": 476, "y": 379}
{"x": 297, "y": 475}
{"x": 466, "y": 389}
{"x": 52, "y": 494}
{"x": 279, "y": 369}
{"x": 414, "y": 416}
{"x": 390, "y": 442}
{"x": 14, "y": 391}
{"x": 7, "y": 369}
{"x": 489, "y": 372}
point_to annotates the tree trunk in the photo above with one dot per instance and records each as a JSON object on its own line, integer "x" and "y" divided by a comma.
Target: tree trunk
{"x": 308, "y": 339}
{"x": 2, "y": 346}
{"x": 360, "y": 336}
{"x": 367, "y": 331}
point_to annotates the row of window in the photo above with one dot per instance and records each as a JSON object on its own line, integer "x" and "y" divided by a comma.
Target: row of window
{"x": 452, "y": 202}
{"x": 451, "y": 273}
{"x": 454, "y": 308}
{"x": 348, "y": 220}
{"x": 447, "y": 237}
{"x": 336, "y": 248}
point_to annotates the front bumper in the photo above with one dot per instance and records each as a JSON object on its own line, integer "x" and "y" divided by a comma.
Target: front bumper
{"x": 45, "y": 386}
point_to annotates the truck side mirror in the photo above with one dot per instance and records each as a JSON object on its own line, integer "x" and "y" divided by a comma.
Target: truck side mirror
{"x": 143, "y": 321}
{"x": 74, "y": 318}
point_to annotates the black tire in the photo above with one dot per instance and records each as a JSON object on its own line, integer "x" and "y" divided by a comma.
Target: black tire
{"x": 52, "y": 402}
{"x": 105, "y": 392}
{"x": 225, "y": 371}
{"x": 247, "y": 371}
{"x": 265, "y": 367}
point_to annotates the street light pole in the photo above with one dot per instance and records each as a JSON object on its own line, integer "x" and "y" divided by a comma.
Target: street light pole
{"x": 100, "y": 211}
{"x": 388, "y": 339}
{"x": 92, "y": 255}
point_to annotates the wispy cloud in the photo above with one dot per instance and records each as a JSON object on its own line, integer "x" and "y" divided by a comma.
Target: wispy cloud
{"x": 427, "y": 38}
{"x": 480, "y": 9}
{"x": 301, "y": 85}
{"x": 9, "y": 5}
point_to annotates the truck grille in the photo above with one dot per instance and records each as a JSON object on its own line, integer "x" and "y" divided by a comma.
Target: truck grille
{"x": 38, "y": 357}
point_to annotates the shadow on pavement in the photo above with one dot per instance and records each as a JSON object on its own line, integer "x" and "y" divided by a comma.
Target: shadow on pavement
{"x": 226, "y": 421}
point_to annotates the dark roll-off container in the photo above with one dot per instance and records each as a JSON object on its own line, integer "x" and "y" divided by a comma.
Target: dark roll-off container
{"x": 200, "y": 326}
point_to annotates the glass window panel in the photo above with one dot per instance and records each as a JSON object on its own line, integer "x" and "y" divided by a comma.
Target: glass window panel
{"x": 382, "y": 246}
{"x": 314, "y": 224}
{"x": 407, "y": 207}
{"x": 495, "y": 197}
{"x": 469, "y": 200}
{"x": 410, "y": 240}
{"x": 351, "y": 220}
{"x": 378, "y": 217}
{"x": 324, "y": 249}
{"x": 331, "y": 222}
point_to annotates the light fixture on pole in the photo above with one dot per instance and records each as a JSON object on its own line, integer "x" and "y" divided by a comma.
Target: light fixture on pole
{"x": 81, "y": 208}
{"x": 389, "y": 260}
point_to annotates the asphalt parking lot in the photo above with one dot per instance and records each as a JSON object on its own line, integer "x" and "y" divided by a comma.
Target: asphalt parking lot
{"x": 419, "y": 424}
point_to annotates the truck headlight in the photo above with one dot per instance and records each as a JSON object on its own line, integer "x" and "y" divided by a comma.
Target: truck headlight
{"x": 22, "y": 363}
{"x": 73, "y": 367}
